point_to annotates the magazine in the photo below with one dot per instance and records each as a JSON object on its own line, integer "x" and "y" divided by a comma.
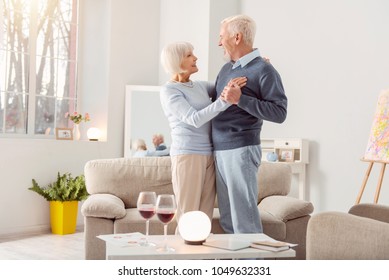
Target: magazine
{"x": 228, "y": 244}
{"x": 271, "y": 245}
{"x": 124, "y": 239}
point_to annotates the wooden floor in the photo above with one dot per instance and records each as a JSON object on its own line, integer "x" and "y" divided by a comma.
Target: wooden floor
{"x": 44, "y": 247}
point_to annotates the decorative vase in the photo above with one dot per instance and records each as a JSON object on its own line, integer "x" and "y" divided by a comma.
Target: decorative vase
{"x": 272, "y": 157}
{"x": 76, "y": 132}
{"x": 63, "y": 216}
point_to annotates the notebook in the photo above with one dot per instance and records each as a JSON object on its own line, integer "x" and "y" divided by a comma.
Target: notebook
{"x": 228, "y": 244}
{"x": 270, "y": 245}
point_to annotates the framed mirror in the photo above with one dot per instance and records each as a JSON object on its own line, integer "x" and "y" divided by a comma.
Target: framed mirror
{"x": 144, "y": 117}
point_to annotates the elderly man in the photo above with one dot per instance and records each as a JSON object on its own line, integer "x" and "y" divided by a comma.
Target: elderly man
{"x": 236, "y": 131}
{"x": 158, "y": 142}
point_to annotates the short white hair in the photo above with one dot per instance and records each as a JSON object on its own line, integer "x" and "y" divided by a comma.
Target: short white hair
{"x": 241, "y": 24}
{"x": 172, "y": 56}
{"x": 139, "y": 144}
{"x": 158, "y": 135}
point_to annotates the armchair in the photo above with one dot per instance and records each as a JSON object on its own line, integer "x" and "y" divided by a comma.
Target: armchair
{"x": 360, "y": 234}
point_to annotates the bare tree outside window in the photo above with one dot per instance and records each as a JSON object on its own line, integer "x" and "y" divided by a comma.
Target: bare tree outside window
{"x": 38, "y": 63}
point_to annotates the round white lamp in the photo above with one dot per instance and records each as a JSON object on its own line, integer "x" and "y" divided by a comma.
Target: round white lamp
{"x": 93, "y": 134}
{"x": 194, "y": 227}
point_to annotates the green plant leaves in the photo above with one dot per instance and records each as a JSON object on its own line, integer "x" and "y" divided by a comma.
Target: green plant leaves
{"x": 66, "y": 188}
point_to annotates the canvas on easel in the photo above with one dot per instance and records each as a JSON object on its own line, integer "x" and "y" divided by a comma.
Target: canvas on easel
{"x": 378, "y": 144}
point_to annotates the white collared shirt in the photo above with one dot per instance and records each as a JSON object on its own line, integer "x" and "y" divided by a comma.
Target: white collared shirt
{"x": 244, "y": 60}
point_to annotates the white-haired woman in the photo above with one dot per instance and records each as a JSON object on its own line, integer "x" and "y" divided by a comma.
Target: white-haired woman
{"x": 188, "y": 108}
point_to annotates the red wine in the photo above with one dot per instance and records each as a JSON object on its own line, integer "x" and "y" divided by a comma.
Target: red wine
{"x": 165, "y": 217}
{"x": 147, "y": 213}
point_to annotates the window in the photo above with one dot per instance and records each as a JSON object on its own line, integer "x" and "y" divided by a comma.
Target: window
{"x": 38, "y": 51}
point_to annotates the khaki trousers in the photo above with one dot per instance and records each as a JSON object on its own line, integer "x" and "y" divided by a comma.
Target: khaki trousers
{"x": 193, "y": 179}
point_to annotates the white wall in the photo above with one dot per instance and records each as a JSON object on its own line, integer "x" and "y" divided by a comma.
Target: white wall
{"x": 23, "y": 160}
{"x": 93, "y": 70}
{"x": 133, "y": 55}
{"x": 189, "y": 23}
{"x": 334, "y": 60}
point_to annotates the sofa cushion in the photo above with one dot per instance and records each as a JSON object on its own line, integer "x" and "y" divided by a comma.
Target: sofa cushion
{"x": 373, "y": 211}
{"x": 286, "y": 208}
{"x": 274, "y": 178}
{"x": 103, "y": 206}
{"x": 126, "y": 177}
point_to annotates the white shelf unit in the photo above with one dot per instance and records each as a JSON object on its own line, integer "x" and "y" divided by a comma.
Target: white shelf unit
{"x": 300, "y": 149}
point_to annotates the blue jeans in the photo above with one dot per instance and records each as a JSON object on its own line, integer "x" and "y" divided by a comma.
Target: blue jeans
{"x": 237, "y": 189}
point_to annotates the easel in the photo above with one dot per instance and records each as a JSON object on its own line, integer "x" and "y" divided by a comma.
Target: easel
{"x": 378, "y": 188}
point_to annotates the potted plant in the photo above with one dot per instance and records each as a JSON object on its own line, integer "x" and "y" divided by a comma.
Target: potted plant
{"x": 63, "y": 195}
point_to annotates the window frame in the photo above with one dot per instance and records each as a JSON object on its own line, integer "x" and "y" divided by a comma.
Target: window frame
{"x": 31, "y": 93}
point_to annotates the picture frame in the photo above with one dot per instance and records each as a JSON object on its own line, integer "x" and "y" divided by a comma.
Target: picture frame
{"x": 286, "y": 155}
{"x": 63, "y": 133}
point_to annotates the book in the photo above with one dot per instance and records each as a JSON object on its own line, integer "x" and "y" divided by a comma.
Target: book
{"x": 271, "y": 245}
{"x": 228, "y": 244}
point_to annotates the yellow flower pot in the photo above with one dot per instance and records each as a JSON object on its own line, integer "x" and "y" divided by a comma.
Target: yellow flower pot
{"x": 63, "y": 216}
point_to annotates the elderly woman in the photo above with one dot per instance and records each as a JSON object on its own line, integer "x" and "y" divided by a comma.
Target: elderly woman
{"x": 188, "y": 107}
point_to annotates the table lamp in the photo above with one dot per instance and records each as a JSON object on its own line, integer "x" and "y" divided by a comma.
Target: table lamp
{"x": 93, "y": 134}
{"x": 194, "y": 227}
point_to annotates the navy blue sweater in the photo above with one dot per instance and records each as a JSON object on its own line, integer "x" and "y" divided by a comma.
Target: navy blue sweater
{"x": 263, "y": 98}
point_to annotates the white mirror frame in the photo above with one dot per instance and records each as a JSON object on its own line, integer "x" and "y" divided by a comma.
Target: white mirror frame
{"x": 143, "y": 117}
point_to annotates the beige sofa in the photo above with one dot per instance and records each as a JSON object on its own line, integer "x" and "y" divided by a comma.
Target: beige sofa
{"x": 114, "y": 185}
{"x": 360, "y": 234}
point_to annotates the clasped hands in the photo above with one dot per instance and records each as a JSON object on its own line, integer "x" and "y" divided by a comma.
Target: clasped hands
{"x": 231, "y": 92}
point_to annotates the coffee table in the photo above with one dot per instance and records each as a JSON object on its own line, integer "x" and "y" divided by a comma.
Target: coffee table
{"x": 193, "y": 252}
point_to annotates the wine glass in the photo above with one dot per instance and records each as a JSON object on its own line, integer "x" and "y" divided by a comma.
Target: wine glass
{"x": 166, "y": 209}
{"x": 146, "y": 207}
